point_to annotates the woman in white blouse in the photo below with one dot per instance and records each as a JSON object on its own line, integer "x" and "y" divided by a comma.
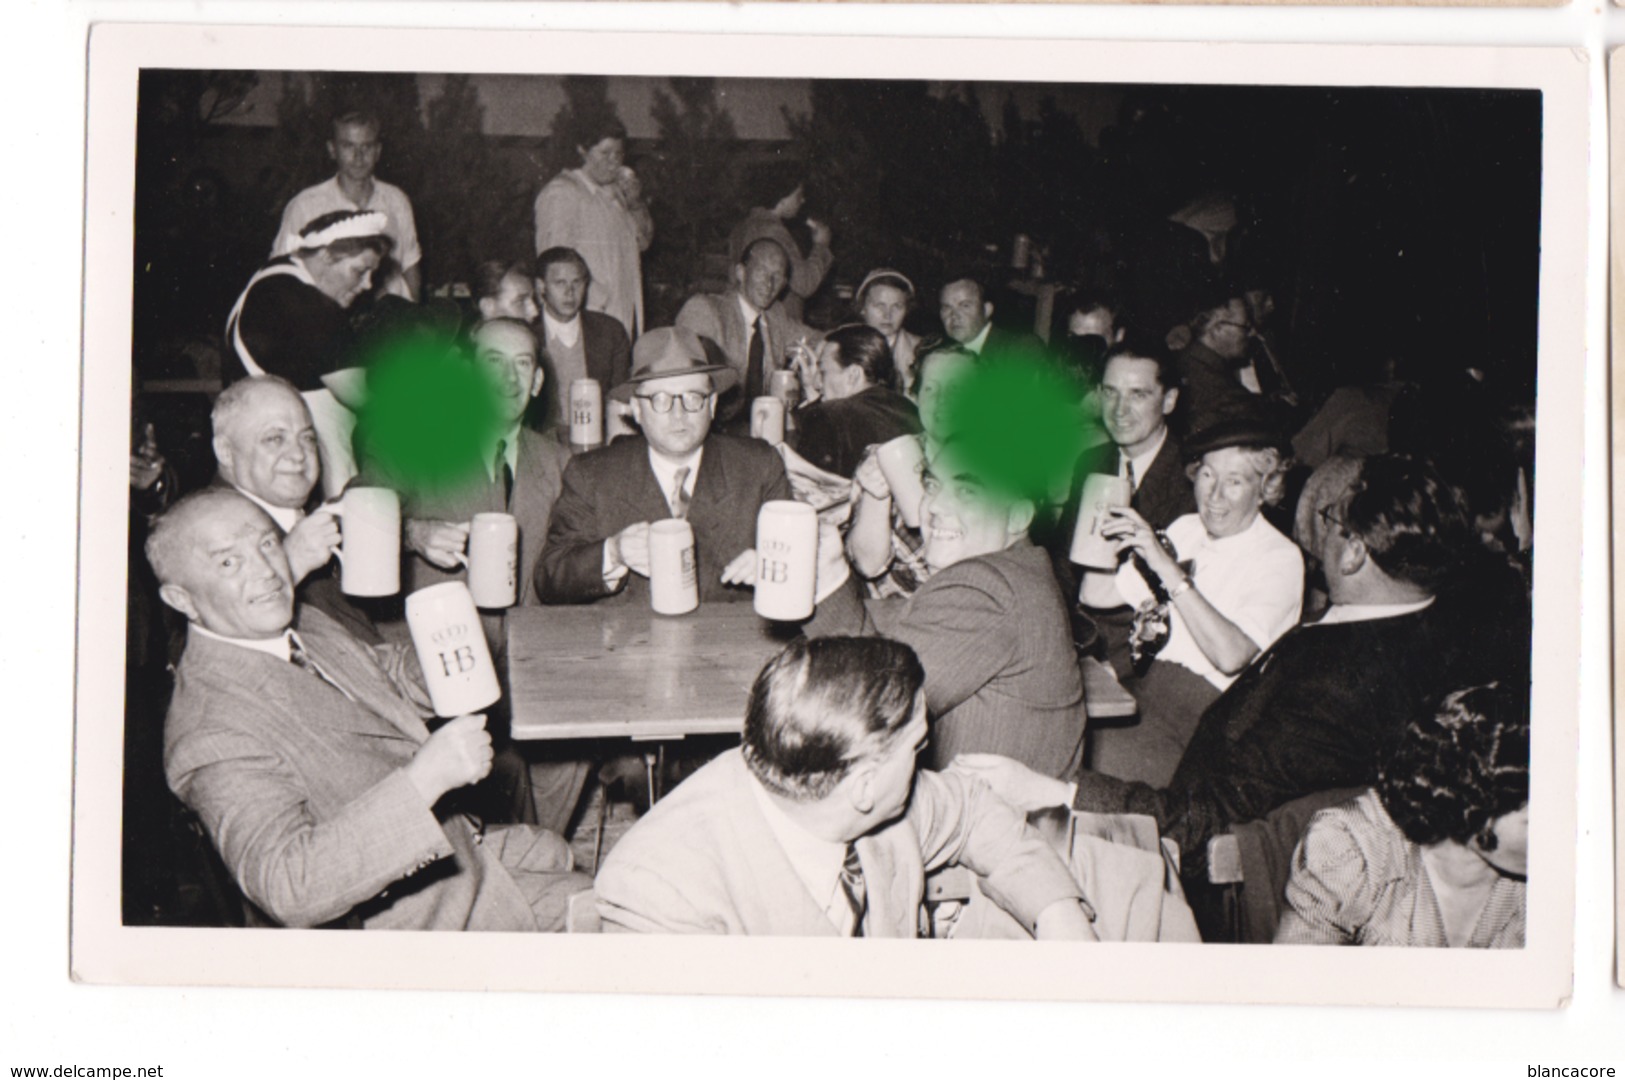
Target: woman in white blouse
{"x": 1231, "y": 585}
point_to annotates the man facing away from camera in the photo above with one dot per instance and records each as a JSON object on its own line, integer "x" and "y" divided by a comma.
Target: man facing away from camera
{"x": 821, "y": 824}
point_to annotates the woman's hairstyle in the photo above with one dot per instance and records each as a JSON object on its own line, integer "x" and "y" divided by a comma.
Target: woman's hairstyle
{"x": 936, "y": 346}
{"x": 864, "y": 346}
{"x": 882, "y": 277}
{"x": 1456, "y": 771}
{"x": 824, "y": 704}
{"x": 1270, "y": 465}
{"x": 590, "y": 130}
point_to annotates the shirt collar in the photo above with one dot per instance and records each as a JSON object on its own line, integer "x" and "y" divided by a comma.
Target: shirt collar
{"x": 279, "y": 647}
{"x": 665, "y": 470}
{"x": 1142, "y": 462}
{"x": 1346, "y": 613}
{"x": 285, "y": 516}
{"x": 979, "y": 342}
{"x": 567, "y": 332}
{"x": 816, "y": 861}
{"x": 510, "y": 452}
{"x": 747, "y": 309}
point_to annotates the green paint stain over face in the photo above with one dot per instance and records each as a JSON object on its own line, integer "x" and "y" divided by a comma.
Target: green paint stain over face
{"x": 1016, "y": 422}
{"x": 430, "y": 418}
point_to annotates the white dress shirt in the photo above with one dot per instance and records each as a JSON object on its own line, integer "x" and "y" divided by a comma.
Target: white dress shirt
{"x": 1142, "y": 461}
{"x": 1345, "y": 613}
{"x": 1254, "y": 579}
{"x": 979, "y": 342}
{"x": 285, "y": 516}
{"x": 567, "y": 332}
{"x": 816, "y": 861}
{"x": 665, "y": 471}
{"x": 280, "y": 646}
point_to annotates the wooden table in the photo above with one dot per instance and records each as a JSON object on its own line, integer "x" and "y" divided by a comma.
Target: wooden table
{"x": 619, "y": 670}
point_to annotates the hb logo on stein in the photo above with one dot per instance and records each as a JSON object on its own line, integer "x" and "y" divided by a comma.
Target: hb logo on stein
{"x": 775, "y": 568}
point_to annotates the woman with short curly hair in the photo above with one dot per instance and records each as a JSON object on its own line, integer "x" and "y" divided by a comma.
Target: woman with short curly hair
{"x": 1437, "y": 853}
{"x": 1209, "y": 596}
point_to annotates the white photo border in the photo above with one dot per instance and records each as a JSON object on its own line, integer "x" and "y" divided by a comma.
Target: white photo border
{"x": 103, "y": 950}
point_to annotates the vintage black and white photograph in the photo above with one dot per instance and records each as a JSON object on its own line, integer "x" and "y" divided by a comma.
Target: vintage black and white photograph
{"x": 1060, "y": 502}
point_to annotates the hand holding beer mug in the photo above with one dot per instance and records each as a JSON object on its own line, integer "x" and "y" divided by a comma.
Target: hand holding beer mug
{"x": 312, "y": 541}
{"x": 1090, "y": 547}
{"x": 371, "y": 551}
{"x": 456, "y": 755}
{"x": 450, "y": 643}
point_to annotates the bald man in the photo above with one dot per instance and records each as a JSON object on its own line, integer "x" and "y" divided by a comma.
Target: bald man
{"x": 265, "y": 449}
{"x": 305, "y": 754}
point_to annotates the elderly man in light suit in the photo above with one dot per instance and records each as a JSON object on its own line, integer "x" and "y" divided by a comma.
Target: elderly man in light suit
{"x": 749, "y": 324}
{"x": 820, "y": 823}
{"x": 305, "y": 753}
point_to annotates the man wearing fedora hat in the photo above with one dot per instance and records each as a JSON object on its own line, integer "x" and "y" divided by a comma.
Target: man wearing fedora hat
{"x": 598, "y": 541}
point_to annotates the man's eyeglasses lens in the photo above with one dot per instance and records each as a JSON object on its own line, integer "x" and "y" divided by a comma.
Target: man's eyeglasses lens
{"x": 662, "y": 401}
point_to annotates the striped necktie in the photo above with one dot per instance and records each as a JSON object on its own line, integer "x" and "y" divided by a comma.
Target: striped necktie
{"x": 301, "y": 659}
{"x": 855, "y": 889}
{"x": 679, "y": 493}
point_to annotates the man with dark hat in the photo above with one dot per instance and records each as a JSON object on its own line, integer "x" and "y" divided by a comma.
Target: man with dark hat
{"x": 598, "y": 542}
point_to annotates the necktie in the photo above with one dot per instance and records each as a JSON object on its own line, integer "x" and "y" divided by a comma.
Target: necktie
{"x": 854, "y": 889}
{"x": 302, "y": 660}
{"x": 679, "y": 493}
{"x": 753, "y": 362}
{"x": 499, "y": 467}
{"x": 1128, "y": 473}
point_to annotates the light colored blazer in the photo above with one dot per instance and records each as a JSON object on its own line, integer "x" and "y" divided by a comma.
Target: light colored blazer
{"x": 303, "y": 793}
{"x": 705, "y": 860}
{"x": 570, "y": 211}
{"x": 719, "y": 318}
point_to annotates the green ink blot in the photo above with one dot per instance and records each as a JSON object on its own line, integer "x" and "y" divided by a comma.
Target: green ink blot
{"x": 1016, "y": 422}
{"x": 430, "y": 415}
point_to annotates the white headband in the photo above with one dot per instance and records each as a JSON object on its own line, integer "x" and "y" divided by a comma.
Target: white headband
{"x": 884, "y": 272}
{"x": 366, "y": 223}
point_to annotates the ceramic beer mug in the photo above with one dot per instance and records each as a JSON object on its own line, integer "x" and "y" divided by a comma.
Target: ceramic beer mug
{"x": 673, "y": 580}
{"x": 902, "y": 462}
{"x": 767, "y": 420}
{"x": 787, "y": 560}
{"x": 493, "y": 560}
{"x": 1100, "y": 492}
{"x": 586, "y": 414}
{"x": 784, "y": 385}
{"x": 450, "y": 643}
{"x": 370, "y": 555}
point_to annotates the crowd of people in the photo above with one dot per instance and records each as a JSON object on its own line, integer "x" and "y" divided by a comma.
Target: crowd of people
{"x": 1323, "y": 616}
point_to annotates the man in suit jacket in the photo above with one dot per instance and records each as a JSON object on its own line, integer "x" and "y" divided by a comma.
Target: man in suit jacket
{"x": 265, "y": 449}
{"x": 577, "y": 343}
{"x": 598, "y": 543}
{"x": 520, "y": 474}
{"x": 1323, "y": 707}
{"x": 820, "y": 823}
{"x": 967, "y": 317}
{"x": 311, "y": 769}
{"x": 749, "y": 325}
{"x": 854, "y": 406}
{"x": 1001, "y": 674}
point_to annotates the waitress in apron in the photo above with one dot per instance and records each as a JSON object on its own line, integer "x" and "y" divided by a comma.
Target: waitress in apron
{"x": 291, "y": 320}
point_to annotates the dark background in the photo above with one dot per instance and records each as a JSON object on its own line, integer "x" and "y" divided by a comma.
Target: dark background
{"x": 1381, "y": 220}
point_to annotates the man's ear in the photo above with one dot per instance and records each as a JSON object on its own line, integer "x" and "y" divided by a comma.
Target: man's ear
{"x": 1353, "y": 556}
{"x": 1021, "y": 517}
{"x": 222, "y": 451}
{"x": 332, "y": 150}
{"x": 1170, "y": 400}
{"x": 739, "y": 276}
{"x": 859, "y": 787}
{"x": 178, "y": 598}
{"x": 711, "y": 405}
{"x": 1117, "y": 338}
{"x": 987, "y": 310}
{"x": 488, "y": 307}
{"x": 537, "y": 379}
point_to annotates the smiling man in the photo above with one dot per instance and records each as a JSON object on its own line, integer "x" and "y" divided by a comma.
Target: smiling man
{"x": 989, "y": 626}
{"x": 355, "y": 148}
{"x": 304, "y": 753}
{"x": 822, "y": 824}
{"x": 749, "y": 324}
{"x": 265, "y": 447}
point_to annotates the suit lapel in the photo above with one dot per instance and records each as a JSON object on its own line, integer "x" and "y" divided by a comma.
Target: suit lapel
{"x": 769, "y": 880}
